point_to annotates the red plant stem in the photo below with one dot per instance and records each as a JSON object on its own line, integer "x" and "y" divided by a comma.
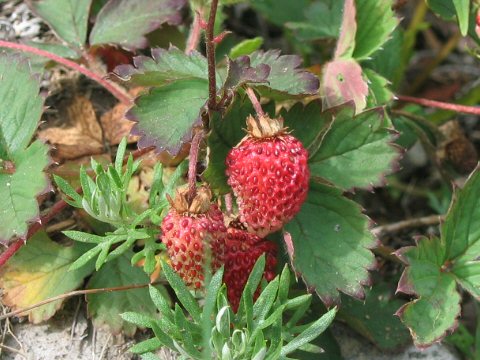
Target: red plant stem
{"x": 440, "y": 105}
{"x": 195, "y": 32}
{"x": 210, "y": 45}
{"x": 12, "y": 249}
{"x": 119, "y": 94}
{"x": 192, "y": 164}
{"x": 255, "y": 102}
{"x": 54, "y": 211}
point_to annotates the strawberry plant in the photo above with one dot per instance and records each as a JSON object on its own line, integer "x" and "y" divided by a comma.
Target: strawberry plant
{"x": 242, "y": 174}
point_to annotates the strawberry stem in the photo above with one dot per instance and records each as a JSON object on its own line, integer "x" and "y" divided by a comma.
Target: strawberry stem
{"x": 210, "y": 48}
{"x": 111, "y": 87}
{"x": 256, "y": 104}
{"x": 440, "y": 105}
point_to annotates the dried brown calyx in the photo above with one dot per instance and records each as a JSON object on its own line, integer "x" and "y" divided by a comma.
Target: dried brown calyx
{"x": 199, "y": 204}
{"x": 264, "y": 127}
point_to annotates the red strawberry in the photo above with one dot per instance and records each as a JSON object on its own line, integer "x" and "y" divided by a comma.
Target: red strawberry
{"x": 242, "y": 250}
{"x": 194, "y": 234}
{"x": 269, "y": 175}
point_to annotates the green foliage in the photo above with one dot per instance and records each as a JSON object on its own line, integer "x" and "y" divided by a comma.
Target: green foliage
{"x": 376, "y": 15}
{"x": 38, "y": 272}
{"x": 165, "y": 66}
{"x": 279, "y": 12}
{"x": 225, "y": 135}
{"x": 334, "y": 256}
{"x": 105, "y": 199}
{"x": 125, "y": 23}
{"x": 375, "y": 318}
{"x": 360, "y": 146}
{"x": 105, "y": 308}
{"x": 449, "y": 9}
{"x": 285, "y": 75}
{"x": 67, "y": 18}
{"x": 322, "y": 20}
{"x": 246, "y": 47}
{"x": 21, "y": 164}
{"x": 437, "y": 265}
{"x": 213, "y": 331}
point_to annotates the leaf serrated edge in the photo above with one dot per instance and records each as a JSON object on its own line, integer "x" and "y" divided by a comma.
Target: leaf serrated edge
{"x": 146, "y": 141}
{"x": 330, "y": 301}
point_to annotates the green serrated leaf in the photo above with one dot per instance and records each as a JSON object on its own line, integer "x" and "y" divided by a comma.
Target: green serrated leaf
{"x": 38, "y": 271}
{"x": 67, "y": 18}
{"x": 20, "y": 116}
{"x": 438, "y": 306}
{"x": 376, "y": 15}
{"x": 285, "y": 76}
{"x": 164, "y": 67}
{"x": 167, "y": 114}
{"x": 126, "y": 22}
{"x": 18, "y": 191}
{"x": 307, "y": 123}
{"x": 379, "y": 92}
{"x": 334, "y": 256}
{"x": 359, "y": 146}
{"x": 106, "y": 307}
{"x": 387, "y": 61}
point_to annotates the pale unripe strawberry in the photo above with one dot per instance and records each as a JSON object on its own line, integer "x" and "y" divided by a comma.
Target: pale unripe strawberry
{"x": 269, "y": 175}
{"x": 194, "y": 234}
{"x": 242, "y": 250}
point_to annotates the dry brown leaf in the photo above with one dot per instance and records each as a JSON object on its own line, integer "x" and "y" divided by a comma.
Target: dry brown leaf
{"x": 83, "y": 138}
{"x": 116, "y": 126}
{"x": 114, "y": 123}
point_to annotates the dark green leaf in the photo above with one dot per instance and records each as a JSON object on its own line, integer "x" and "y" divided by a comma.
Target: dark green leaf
{"x": 226, "y": 133}
{"x": 359, "y": 146}
{"x": 379, "y": 92}
{"x": 167, "y": 114}
{"x": 285, "y": 75}
{"x": 438, "y": 305}
{"x": 164, "y": 67}
{"x": 126, "y": 22}
{"x": 331, "y": 244}
{"x": 387, "y": 61}
{"x": 19, "y": 191}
